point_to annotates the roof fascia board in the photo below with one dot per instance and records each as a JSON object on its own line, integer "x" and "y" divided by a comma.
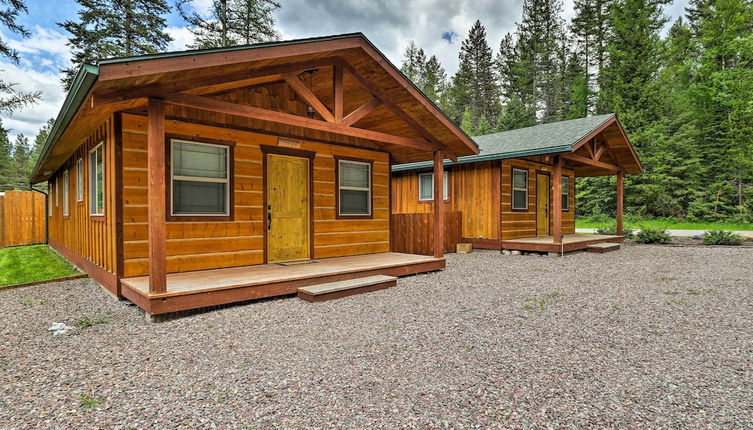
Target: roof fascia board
{"x": 82, "y": 83}
{"x": 480, "y": 158}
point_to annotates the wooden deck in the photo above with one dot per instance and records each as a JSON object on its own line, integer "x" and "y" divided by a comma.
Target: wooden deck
{"x": 570, "y": 242}
{"x": 202, "y": 288}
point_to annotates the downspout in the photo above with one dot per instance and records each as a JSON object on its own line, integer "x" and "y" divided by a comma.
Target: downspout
{"x": 46, "y": 212}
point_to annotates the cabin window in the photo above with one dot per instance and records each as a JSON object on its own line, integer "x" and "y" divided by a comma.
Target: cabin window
{"x": 65, "y": 193}
{"x": 80, "y": 180}
{"x": 519, "y": 189}
{"x": 97, "y": 180}
{"x": 565, "y": 193}
{"x": 57, "y": 186}
{"x": 200, "y": 178}
{"x": 49, "y": 198}
{"x": 354, "y": 188}
{"x": 426, "y": 186}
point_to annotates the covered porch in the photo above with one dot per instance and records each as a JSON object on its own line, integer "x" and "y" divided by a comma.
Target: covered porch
{"x": 201, "y": 288}
{"x": 569, "y": 242}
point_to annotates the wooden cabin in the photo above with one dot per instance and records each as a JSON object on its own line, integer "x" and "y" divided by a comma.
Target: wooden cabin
{"x": 198, "y": 178}
{"x": 518, "y": 192}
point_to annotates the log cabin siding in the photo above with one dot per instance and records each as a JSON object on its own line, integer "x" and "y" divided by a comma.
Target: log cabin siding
{"x": 91, "y": 238}
{"x": 197, "y": 245}
{"x": 483, "y": 193}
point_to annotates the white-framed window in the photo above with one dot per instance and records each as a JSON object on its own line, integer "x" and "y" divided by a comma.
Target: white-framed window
{"x": 426, "y": 186}
{"x": 565, "y": 193}
{"x": 97, "y": 180}
{"x": 354, "y": 188}
{"x": 57, "y": 187}
{"x": 200, "y": 179}
{"x": 519, "y": 189}
{"x": 49, "y": 198}
{"x": 80, "y": 180}
{"x": 66, "y": 184}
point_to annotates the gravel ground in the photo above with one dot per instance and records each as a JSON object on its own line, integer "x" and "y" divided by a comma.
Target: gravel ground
{"x": 655, "y": 337}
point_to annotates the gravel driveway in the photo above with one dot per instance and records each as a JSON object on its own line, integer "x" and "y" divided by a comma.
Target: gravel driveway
{"x": 655, "y": 337}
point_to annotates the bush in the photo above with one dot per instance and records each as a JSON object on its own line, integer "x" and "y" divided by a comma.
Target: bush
{"x": 721, "y": 237}
{"x": 611, "y": 229}
{"x": 653, "y": 235}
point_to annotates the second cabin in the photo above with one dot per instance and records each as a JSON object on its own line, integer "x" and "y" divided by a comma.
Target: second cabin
{"x": 519, "y": 191}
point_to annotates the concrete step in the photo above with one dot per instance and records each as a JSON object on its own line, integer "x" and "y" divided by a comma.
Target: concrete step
{"x": 601, "y": 248}
{"x": 335, "y": 290}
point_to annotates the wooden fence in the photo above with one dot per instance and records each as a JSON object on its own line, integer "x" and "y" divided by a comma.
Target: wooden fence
{"x": 22, "y": 218}
{"x": 414, "y": 233}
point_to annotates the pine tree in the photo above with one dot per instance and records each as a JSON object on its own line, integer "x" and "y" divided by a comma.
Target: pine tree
{"x": 590, "y": 29}
{"x": 414, "y": 64}
{"x": 435, "y": 80}
{"x": 39, "y": 142}
{"x": 115, "y": 28}
{"x": 13, "y": 99}
{"x": 6, "y": 160}
{"x": 519, "y": 108}
{"x": 474, "y": 86}
{"x": 21, "y": 161}
{"x": 231, "y": 23}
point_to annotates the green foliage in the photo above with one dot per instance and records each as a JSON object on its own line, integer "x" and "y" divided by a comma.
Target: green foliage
{"x": 651, "y": 235}
{"x": 87, "y": 402}
{"x": 87, "y": 322}
{"x": 611, "y": 229}
{"x": 115, "y": 28}
{"x": 13, "y": 99}
{"x": 428, "y": 75}
{"x": 231, "y": 22}
{"x": 30, "y": 263}
{"x": 721, "y": 237}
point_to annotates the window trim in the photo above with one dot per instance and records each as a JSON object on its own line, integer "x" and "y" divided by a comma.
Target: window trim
{"x": 57, "y": 186}
{"x": 370, "y": 164}
{"x": 513, "y": 189}
{"x": 566, "y": 195}
{"x": 230, "y": 145}
{"x": 50, "y": 186}
{"x": 66, "y": 193}
{"x": 229, "y": 182}
{"x": 445, "y": 187}
{"x": 93, "y": 181}
{"x": 80, "y": 180}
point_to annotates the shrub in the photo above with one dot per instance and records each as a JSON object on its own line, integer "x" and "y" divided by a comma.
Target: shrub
{"x": 721, "y": 237}
{"x": 611, "y": 229}
{"x": 653, "y": 235}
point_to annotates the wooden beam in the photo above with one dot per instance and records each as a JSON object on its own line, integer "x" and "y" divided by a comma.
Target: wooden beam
{"x": 361, "y": 111}
{"x": 156, "y": 196}
{"x": 620, "y": 198}
{"x": 599, "y": 151}
{"x": 590, "y": 148}
{"x": 195, "y": 85}
{"x": 557, "y": 200}
{"x": 339, "y": 88}
{"x": 397, "y": 111}
{"x": 305, "y": 93}
{"x": 209, "y": 104}
{"x": 590, "y": 162}
{"x": 438, "y": 204}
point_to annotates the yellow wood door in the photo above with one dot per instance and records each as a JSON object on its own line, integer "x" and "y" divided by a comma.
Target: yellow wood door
{"x": 288, "y": 214}
{"x": 542, "y": 205}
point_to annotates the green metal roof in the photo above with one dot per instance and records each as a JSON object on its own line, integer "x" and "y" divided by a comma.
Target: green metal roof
{"x": 541, "y": 139}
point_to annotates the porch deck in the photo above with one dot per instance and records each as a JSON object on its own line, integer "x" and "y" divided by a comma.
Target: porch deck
{"x": 570, "y": 242}
{"x": 202, "y": 288}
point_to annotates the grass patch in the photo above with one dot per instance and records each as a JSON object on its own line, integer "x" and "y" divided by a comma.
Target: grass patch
{"x": 87, "y": 402}
{"x": 673, "y": 225}
{"x": 87, "y": 322}
{"x": 21, "y": 264}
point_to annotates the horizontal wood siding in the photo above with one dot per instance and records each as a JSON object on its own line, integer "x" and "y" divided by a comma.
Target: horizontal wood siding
{"x": 413, "y": 233}
{"x": 197, "y": 245}
{"x": 517, "y": 224}
{"x": 22, "y": 218}
{"x": 91, "y": 237}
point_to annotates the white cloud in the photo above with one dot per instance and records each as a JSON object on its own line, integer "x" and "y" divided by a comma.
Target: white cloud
{"x": 181, "y": 38}
{"x": 44, "y": 41}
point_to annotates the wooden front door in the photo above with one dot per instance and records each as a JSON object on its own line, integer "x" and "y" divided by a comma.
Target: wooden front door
{"x": 542, "y": 205}
{"x": 288, "y": 217}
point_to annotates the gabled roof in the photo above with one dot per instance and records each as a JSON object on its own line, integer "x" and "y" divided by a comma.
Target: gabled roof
{"x": 551, "y": 138}
{"x": 124, "y": 84}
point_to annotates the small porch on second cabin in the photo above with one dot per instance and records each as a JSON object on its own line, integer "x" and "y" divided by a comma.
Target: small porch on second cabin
{"x": 569, "y": 242}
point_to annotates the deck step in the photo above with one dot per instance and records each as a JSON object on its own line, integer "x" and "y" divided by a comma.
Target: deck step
{"x": 335, "y": 290}
{"x": 601, "y": 248}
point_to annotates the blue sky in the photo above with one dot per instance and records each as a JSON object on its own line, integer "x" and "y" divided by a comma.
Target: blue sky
{"x": 438, "y": 26}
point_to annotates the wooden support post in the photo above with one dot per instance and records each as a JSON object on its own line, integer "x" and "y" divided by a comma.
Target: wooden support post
{"x": 557, "y": 200}
{"x": 438, "y": 204}
{"x": 339, "y": 96}
{"x": 620, "y": 198}
{"x": 156, "y": 196}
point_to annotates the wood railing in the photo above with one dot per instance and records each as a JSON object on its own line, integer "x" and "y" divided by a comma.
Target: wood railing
{"x": 413, "y": 233}
{"x": 22, "y": 218}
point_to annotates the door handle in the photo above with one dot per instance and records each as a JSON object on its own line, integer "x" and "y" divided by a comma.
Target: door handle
{"x": 269, "y": 217}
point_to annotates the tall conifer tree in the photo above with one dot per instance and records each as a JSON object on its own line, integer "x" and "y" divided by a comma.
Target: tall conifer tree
{"x": 231, "y": 22}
